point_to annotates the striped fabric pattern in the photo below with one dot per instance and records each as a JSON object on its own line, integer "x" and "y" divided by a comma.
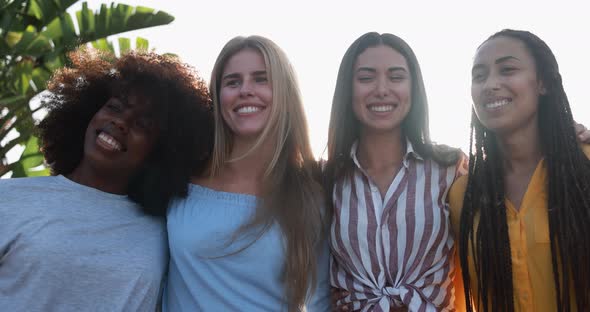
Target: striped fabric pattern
{"x": 397, "y": 251}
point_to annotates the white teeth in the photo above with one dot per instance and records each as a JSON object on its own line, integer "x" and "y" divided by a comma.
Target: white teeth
{"x": 248, "y": 109}
{"x": 496, "y": 104}
{"x": 381, "y": 108}
{"x": 109, "y": 141}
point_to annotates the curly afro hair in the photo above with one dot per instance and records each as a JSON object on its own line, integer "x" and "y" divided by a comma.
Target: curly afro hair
{"x": 182, "y": 104}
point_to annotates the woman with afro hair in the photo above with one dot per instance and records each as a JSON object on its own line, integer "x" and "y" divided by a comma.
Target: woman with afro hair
{"x": 121, "y": 138}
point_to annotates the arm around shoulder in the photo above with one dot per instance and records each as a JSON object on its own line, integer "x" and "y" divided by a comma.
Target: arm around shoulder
{"x": 455, "y": 201}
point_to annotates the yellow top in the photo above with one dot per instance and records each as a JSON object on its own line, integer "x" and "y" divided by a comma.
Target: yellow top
{"x": 528, "y": 229}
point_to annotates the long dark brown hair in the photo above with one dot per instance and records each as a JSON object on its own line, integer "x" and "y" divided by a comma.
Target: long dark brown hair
{"x": 568, "y": 199}
{"x": 345, "y": 128}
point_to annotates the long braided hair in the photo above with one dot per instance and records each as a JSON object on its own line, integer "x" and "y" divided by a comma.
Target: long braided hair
{"x": 568, "y": 204}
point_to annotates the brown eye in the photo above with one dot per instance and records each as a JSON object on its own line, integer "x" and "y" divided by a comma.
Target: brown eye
{"x": 261, "y": 79}
{"x": 508, "y": 70}
{"x": 114, "y": 106}
{"x": 477, "y": 77}
{"x": 232, "y": 83}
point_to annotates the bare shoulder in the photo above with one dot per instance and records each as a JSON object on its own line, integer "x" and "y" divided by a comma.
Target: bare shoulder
{"x": 457, "y": 192}
{"x": 207, "y": 181}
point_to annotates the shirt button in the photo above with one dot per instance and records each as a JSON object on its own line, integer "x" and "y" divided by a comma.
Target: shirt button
{"x": 519, "y": 254}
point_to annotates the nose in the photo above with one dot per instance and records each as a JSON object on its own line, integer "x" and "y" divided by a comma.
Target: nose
{"x": 122, "y": 123}
{"x": 246, "y": 89}
{"x": 492, "y": 83}
{"x": 381, "y": 87}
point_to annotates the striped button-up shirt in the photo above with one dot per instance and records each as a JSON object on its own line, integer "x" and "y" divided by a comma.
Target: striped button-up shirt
{"x": 395, "y": 251}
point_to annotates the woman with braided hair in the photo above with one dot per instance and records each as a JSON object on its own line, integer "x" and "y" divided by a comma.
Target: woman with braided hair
{"x": 390, "y": 238}
{"x": 522, "y": 215}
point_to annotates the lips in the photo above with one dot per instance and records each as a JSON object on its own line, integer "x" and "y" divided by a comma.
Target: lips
{"x": 496, "y": 103}
{"x": 110, "y": 142}
{"x": 248, "y": 109}
{"x": 382, "y": 107}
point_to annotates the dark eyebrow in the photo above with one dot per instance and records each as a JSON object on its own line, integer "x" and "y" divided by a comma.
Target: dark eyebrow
{"x": 236, "y": 75}
{"x": 505, "y": 58}
{"x": 476, "y": 67}
{"x": 372, "y": 70}
{"x": 498, "y": 61}
{"x": 394, "y": 69}
{"x": 259, "y": 73}
{"x": 122, "y": 99}
{"x": 369, "y": 69}
{"x": 231, "y": 76}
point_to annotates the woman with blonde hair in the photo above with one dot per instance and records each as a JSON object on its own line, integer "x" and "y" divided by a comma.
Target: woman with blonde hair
{"x": 251, "y": 234}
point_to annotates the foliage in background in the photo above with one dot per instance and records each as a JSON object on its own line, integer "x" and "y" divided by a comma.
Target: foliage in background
{"x": 35, "y": 37}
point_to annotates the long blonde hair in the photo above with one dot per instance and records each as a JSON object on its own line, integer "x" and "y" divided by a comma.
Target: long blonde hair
{"x": 291, "y": 193}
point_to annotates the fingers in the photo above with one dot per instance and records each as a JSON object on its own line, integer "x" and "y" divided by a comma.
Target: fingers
{"x": 584, "y": 137}
{"x": 336, "y": 295}
{"x": 583, "y": 134}
{"x": 342, "y": 308}
{"x": 579, "y": 127}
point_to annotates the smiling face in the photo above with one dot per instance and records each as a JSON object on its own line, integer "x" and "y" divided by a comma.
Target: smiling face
{"x": 120, "y": 136}
{"x": 505, "y": 88}
{"x": 245, "y": 93}
{"x": 381, "y": 88}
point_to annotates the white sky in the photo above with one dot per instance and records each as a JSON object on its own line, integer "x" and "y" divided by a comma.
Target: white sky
{"x": 315, "y": 35}
{"x": 443, "y": 34}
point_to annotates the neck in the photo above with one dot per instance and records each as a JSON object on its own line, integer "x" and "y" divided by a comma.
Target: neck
{"x": 381, "y": 149}
{"x": 247, "y": 162}
{"x": 98, "y": 179}
{"x": 521, "y": 149}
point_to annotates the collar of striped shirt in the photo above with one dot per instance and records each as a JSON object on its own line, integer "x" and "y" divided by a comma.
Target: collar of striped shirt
{"x": 410, "y": 153}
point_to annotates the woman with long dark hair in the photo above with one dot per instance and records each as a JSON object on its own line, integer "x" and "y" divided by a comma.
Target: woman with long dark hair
{"x": 390, "y": 233}
{"x": 522, "y": 216}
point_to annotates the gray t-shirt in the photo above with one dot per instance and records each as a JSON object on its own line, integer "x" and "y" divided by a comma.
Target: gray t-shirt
{"x": 68, "y": 247}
